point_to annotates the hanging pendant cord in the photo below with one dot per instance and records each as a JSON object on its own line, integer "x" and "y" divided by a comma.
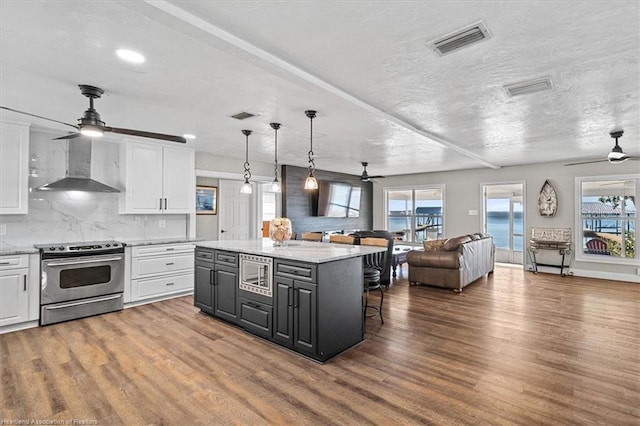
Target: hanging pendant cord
{"x": 312, "y": 164}
{"x": 247, "y": 171}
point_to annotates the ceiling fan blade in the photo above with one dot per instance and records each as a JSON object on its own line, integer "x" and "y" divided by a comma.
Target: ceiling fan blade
{"x": 587, "y": 162}
{"x": 377, "y": 177}
{"x": 143, "y": 134}
{"x": 69, "y": 136}
{"x": 39, "y": 116}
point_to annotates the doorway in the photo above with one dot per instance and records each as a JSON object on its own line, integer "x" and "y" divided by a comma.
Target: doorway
{"x": 235, "y": 218}
{"x": 504, "y": 219}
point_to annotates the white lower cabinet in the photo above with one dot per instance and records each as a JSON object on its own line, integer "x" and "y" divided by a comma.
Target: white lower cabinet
{"x": 161, "y": 271}
{"x": 19, "y": 291}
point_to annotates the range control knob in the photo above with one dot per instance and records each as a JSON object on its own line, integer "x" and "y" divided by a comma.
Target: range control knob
{"x": 52, "y": 248}
{"x": 108, "y": 245}
{"x": 61, "y": 248}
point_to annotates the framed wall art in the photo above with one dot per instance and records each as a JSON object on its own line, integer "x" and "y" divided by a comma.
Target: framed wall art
{"x": 206, "y": 199}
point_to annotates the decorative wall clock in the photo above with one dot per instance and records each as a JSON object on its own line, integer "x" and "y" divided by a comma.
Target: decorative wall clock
{"x": 547, "y": 200}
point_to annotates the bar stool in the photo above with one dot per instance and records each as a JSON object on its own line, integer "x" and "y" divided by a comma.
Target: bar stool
{"x": 341, "y": 239}
{"x": 373, "y": 266}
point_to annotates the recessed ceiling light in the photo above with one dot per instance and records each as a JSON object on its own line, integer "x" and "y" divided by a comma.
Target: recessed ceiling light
{"x": 130, "y": 56}
{"x": 189, "y": 136}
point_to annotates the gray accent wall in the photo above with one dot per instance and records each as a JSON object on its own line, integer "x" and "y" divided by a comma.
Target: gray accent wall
{"x": 296, "y": 202}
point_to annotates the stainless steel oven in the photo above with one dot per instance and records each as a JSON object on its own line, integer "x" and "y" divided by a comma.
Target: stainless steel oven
{"x": 80, "y": 280}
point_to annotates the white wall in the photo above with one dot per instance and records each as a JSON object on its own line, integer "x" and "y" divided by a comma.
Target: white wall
{"x": 463, "y": 193}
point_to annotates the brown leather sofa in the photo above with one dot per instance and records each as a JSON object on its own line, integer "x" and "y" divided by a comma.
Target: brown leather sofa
{"x": 453, "y": 263}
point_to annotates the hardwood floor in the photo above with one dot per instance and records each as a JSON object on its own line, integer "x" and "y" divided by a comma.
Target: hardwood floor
{"x": 514, "y": 348}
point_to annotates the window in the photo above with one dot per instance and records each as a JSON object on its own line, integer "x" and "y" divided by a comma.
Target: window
{"x": 607, "y": 219}
{"x": 416, "y": 214}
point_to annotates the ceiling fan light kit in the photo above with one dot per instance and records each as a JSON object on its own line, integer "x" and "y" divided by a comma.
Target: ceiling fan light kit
{"x": 246, "y": 186}
{"x": 616, "y": 156}
{"x": 365, "y": 177}
{"x": 311, "y": 183}
{"x": 91, "y": 125}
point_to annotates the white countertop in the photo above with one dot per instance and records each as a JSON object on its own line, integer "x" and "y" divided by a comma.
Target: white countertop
{"x": 18, "y": 250}
{"x": 305, "y": 251}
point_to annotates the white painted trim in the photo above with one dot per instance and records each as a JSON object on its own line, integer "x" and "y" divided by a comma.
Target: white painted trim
{"x": 587, "y": 273}
{"x": 296, "y": 71}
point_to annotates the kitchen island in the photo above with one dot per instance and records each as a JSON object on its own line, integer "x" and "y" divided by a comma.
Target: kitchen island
{"x": 306, "y": 296}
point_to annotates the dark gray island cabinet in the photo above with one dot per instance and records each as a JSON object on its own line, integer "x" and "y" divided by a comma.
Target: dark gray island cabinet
{"x": 306, "y": 297}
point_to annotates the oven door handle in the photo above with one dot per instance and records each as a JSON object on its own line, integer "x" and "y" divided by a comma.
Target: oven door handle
{"x": 81, "y": 262}
{"x": 68, "y": 305}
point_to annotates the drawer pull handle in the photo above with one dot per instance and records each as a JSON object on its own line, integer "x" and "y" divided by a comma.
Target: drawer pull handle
{"x": 5, "y": 263}
{"x": 24, "y": 282}
{"x": 170, "y": 249}
{"x": 170, "y": 283}
{"x": 170, "y": 263}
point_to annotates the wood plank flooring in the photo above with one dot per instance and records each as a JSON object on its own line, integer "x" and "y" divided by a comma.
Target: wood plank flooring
{"x": 514, "y": 348}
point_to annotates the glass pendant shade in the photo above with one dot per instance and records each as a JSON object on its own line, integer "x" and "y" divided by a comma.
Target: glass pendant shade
{"x": 275, "y": 186}
{"x": 246, "y": 187}
{"x": 311, "y": 182}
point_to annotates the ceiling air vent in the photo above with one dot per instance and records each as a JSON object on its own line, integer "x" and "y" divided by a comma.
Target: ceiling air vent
{"x": 459, "y": 39}
{"x": 529, "y": 86}
{"x": 242, "y": 115}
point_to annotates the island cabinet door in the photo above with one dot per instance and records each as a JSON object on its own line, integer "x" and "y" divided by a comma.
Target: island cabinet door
{"x": 203, "y": 290}
{"x": 283, "y": 306}
{"x": 305, "y": 317}
{"x": 225, "y": 298}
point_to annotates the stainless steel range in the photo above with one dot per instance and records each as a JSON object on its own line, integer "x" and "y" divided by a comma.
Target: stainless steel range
{"x": 80, "y": 280}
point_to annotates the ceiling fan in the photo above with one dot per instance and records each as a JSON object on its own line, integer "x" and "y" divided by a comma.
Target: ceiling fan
{"x": 615, "y": 156}
{"x": 364, "y": 177}
{"x": 90, "y": 124}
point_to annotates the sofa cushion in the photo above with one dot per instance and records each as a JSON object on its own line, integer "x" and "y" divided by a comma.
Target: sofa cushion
{"x": 434, "y": 259}
{"x": 433, "y": 245}
{"x": 452, "y": 243}
{"x": 475, "y": 236}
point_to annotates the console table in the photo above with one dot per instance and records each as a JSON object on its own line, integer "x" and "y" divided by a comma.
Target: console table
{"x": 553, "y": 239}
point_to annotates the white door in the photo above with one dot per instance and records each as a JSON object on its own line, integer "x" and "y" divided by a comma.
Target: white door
{"x": 234, "y": 217}
{"x": 178, "y": 182}
{"x": 504, "y": 220}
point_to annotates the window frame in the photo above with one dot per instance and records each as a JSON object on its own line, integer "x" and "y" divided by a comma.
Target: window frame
{"x": 439, "y": 186}
{"x": 579, "y": 255}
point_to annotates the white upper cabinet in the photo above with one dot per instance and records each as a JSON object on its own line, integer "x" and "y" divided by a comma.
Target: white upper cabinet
{"x": 14, "y": 166}
{"x": 158, "y": 179}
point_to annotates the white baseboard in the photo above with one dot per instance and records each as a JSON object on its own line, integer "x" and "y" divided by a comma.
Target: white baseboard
{"x": 588, "y": 273}
{"x": 17, "y": 327}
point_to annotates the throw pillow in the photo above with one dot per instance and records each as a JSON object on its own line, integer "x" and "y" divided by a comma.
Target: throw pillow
{"x": 433, "y": 245}
{"x": 452, "y": 243}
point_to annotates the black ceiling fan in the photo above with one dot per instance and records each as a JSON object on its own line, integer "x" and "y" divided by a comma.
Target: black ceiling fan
{"x": 615, "y": 156}
{"x": 364, "y": 177}
{"x": 91, "y": 125}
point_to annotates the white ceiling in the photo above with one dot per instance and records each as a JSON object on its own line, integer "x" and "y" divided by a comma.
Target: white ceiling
{"x": 381, "y": 94}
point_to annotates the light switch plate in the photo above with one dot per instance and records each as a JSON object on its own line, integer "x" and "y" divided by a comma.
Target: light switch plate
{"x": 473, "y": 212}
{"x": 162, "y": 223}
{"x": 3, "y": 229}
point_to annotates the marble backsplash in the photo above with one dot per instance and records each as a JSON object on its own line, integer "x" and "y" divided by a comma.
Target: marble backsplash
{"x": 70, "y": 216}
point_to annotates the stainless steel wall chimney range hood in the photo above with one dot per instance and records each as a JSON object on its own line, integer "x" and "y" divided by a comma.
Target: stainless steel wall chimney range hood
{"x": 78, "y": 171}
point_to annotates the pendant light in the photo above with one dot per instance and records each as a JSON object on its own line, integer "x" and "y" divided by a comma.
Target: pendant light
{"x": 311, "y": 183}
{"x": 246, "y": 186}
{"x": 275, "y": 185}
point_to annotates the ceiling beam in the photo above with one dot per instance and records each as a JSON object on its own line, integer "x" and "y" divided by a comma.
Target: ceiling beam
{"x": 274, "y": 60}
